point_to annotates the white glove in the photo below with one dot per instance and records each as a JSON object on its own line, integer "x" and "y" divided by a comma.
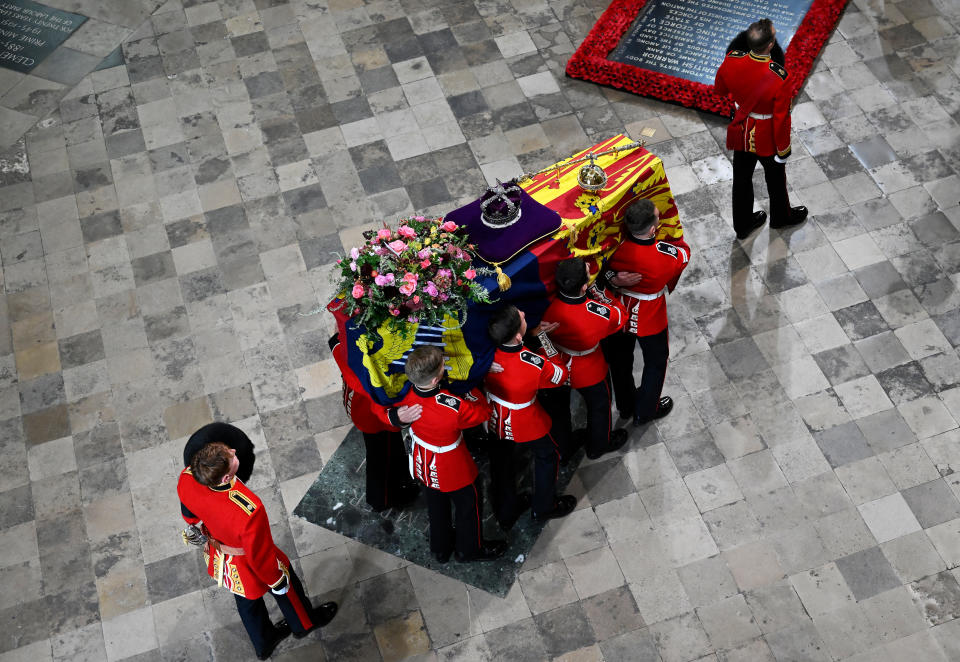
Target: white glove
{"x": 280, "y": 591}
{"x": 778, "y": 159}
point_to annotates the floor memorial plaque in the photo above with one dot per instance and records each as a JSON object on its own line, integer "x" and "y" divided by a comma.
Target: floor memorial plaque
{"x": 688, "y": 39}
{"x": 29, "y": 32}
{"x": 670, "y": 49}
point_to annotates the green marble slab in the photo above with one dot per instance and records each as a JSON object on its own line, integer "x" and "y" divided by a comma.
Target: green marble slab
{"x": 336, "y": 501}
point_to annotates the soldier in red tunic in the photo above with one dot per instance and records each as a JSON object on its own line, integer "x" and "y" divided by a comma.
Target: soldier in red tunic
{"x": 581, "y": 324}
{"x": 442, "y": 462}
{"x": 240, "y": 552}
{"x": 643, "y": 270}
{"x": 518, "y": 418}
{"x": 760, "y": 129}
{"x": 388, "y": 480}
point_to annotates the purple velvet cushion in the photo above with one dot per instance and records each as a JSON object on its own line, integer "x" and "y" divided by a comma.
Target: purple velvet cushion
{"x": 497, "y": 244}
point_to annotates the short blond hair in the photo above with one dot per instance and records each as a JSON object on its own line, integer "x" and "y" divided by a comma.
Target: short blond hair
{"x": 423, "y": 364}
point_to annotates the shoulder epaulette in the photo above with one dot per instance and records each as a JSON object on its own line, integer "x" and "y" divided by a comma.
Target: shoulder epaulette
{"x": 778, "y": 69}
{"x": 737, "y": 54}
{"x": 241, "y": 499}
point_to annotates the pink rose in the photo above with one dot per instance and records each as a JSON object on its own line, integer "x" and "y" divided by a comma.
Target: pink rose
{"x": 384, "y": 233}
{"x": 353, "y": 266}
{"x": 469, "y": 274}
{"x": 357, "y": 290}
{"x": 419, "y": 219}
{"x": 425, "y": 263}
{"x": 409, "y": 284}
{"x": 397, "y": 246}
{"x": 384, "y": 279}
{"x": 448, "y": 226}
{"x": 424, "y": 253}
{"x": 406, "y": 231}
{"x": 431, "y": 289}
{"x": 354, "y": 253}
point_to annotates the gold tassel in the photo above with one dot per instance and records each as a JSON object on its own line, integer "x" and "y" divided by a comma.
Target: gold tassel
{"x": 503, "y": 280}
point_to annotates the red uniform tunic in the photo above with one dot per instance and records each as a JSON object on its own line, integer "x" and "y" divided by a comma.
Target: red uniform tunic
{"x": 583, "y": 324}
{"x": 516, "y": 414}
{"x": 233, "y": 515}
{"x": 440, "y": 457}
{"x": 367, "y": 415}
{"x": 660, "y": 263}
{"x": 758, "y": 85}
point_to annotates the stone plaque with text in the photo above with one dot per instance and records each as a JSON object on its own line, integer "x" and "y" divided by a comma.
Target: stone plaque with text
{"x": 29, "y": 32}
{"x": 688, "y": 38}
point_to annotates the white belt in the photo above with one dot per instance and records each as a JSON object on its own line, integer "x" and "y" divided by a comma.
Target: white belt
{"x": 760, "y": 116}
{"x": 642, "y": 296}
{"x": 510, "y": 405}
{"x": 573, "y": 352}
{"x": 436, "y": 449}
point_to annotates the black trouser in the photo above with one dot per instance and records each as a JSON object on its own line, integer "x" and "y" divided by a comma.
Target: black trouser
{"x": 503, "y": 476}
{"x": 775, "y": 173}
{"x": 387, "y": 467}
{"x": 618, "y": 349}
{"x": 468, "y": 506}
{"x": 597, "y": 397}
{"x": 294, "y": 605}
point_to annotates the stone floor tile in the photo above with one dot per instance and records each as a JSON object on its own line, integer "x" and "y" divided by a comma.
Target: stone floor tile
{"x": 845, "y": 631}
{"x": 713, "y": 487}
{"x": 867, "y": 573}
{"x": 728, "y": 623}
{"x": 889, "y": 517}
{"x": 402, "y": 637}
{"x": 680, "y": 638}
{"x": 547, "y": 587}
{"x": 893, "y": 615}
{"x": 754, "y": 565}
{"x": 612, "y": 613}
{"x": 518, "y": 641}
{"x": 659, "y": 595}
{"x": 800, "y": 642}
{"x": 564, "y": 629}
{"x": 594, "y": 572}
{"x": 822, "y": 589}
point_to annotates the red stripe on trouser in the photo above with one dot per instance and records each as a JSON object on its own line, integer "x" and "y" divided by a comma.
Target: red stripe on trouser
{"x": 476, "y": 501}
{"x": 299, "y": 607}
{"x": 606, "y": 384}
{"x": 556, "y": 449}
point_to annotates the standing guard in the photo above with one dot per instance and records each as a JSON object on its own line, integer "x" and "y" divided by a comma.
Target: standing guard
{"x": 239, "y": 549}
{"x": 759, "y": 130}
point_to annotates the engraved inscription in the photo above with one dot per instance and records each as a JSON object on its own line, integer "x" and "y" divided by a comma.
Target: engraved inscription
{"x": 687, "y": 38}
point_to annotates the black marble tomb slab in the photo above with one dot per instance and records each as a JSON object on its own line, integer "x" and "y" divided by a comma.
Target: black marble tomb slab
{"x": 29, "y": 32}
{"x": 688, "y": 39}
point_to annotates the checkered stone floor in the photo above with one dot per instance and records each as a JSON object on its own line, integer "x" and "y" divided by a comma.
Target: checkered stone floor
{"x": 167, "y": 228}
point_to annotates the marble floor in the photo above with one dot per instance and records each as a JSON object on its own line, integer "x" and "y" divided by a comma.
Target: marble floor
{"x": 166, "y": 229}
